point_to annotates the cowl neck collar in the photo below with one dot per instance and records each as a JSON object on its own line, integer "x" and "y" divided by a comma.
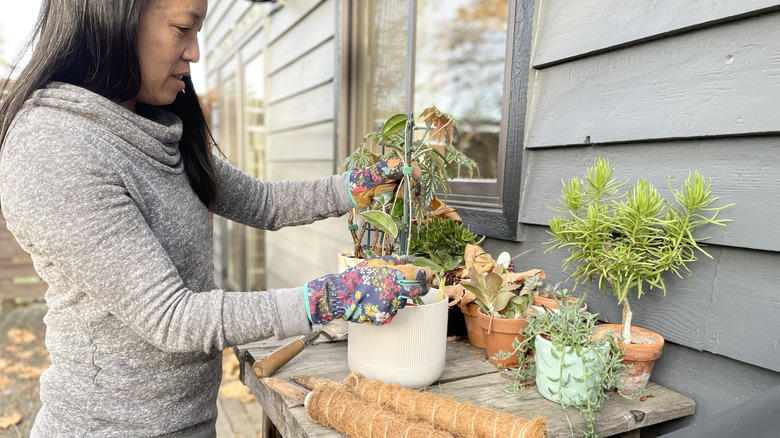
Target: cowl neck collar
{"x": 153, "y": 131}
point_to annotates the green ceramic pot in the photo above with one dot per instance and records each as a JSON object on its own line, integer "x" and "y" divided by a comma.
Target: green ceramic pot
{"x": 560, "y": 372}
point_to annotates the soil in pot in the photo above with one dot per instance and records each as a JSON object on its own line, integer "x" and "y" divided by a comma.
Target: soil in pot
{"x": 500, "y": 335}
{"x": 473, "y": 329}
{"x": 641, "y": 354}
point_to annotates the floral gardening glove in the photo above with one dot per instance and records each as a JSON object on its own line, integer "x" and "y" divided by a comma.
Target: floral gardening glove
{"x": 383, "y": 176}
{"x": 371, "y": 292}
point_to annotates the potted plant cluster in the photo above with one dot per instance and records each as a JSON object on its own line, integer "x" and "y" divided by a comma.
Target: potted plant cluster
{"x": 413, "y": 347}
{"x": 494, "y": 301}
{"x": 626, "y": 240}
{"x": 568, "y": 361}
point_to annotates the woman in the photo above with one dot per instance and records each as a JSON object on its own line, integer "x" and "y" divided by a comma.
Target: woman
{"x": 107, "y": 180}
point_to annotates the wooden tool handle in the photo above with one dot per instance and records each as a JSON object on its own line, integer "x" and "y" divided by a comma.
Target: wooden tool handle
{"x": 267, "y": 365}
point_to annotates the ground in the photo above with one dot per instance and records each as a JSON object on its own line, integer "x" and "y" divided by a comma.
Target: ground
{"x": 23, "y": 358}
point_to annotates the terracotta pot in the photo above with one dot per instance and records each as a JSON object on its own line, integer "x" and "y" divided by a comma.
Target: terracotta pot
{"x": 542, "y": 303}
{"x": 473, "y": 329}
{"x": 500, "y": 334}
{"x": 641, "y": 355}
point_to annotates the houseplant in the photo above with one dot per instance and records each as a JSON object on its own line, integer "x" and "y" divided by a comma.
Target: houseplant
{"x": 502, "y": 310}
{"x": 386, "y": 352}
{"x": 434, "y": 153}
{"x": 628, "y": 239}
{"x": 572, "y": 364}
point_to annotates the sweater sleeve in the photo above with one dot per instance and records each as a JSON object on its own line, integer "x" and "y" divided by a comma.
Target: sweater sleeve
{"x": 274, "y": 205}
{"x": 70, "y": 208}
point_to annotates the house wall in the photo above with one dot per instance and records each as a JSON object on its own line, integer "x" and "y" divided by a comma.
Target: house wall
{"x": 659, "y": 88}
{"x": 298, "y": 40}
{"x": 662, "y": 88}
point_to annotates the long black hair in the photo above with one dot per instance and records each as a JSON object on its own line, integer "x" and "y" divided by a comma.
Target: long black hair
{"x": 92, "y": 44}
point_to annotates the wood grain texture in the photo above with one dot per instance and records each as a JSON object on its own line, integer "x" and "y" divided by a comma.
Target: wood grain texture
{"x": 744, "y": 171}
{"x": 313, "y": 29}
{"x": 715, "y": 382}
{"x": 567, "y": 29}
{"x": 467, "y": 378}
{"x": 718, "y": 81}
{"x": 311, "y": 107}
{"x": 315, "y": 142}
{"x": 309, "y": 71}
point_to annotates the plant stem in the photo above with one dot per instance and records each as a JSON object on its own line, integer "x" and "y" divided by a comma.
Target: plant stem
{"x": 627, "y": 316}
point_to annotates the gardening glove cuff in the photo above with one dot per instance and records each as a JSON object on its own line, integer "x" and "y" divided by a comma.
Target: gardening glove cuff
{"x": 367, "y": 294}
{"x": 383, "y": 176}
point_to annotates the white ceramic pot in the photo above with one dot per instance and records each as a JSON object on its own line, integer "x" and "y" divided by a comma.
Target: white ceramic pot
{"x": 409, "y": 351}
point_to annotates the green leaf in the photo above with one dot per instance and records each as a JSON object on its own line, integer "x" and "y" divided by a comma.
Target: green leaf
{"x": 382, "y": 221}
{"x": 427, "y": 263}
{"x": 394, "y": 124}
{"x": 385, "y": 197}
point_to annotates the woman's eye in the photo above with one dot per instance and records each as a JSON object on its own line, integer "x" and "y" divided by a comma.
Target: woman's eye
{"x": 183, "y": 29}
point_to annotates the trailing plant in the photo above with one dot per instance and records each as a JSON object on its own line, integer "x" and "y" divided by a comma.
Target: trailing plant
{"x": 572, "y": 332}
{"x": 628, "y": 239}
{"x": 434, "y": 154}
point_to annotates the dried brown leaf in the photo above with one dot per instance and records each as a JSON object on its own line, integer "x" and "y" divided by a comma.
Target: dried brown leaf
{"x": 236, "y": 391}
{"x": 475, "y": 256}
{"x": 10, "y": 420}
{"x": 519, "y": 277}
{"x": 21, "y": 336}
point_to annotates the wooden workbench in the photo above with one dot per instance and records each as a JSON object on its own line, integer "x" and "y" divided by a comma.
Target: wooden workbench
{"x": 467, "y": 377}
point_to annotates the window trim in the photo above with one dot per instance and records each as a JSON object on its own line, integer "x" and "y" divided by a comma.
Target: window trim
{"x": 501, "y": 221}
{"x": 497, "y": 216}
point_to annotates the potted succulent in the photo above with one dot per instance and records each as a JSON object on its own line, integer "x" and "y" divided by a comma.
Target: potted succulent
{"x": 502, "y": 311}
{"x": 571, "y": 364}
{"x": 627, "y": 240}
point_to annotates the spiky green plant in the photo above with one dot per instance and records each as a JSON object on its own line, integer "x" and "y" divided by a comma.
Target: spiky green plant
{"x": 627, "y": 240}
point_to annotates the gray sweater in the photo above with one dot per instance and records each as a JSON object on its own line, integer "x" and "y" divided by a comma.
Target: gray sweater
{"x": 135, "y": 327}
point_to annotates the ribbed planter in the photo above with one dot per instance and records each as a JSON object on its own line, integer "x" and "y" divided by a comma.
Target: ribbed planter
{"x": 500, "y": 334}
{"x": 641, "y": 355}
{"x": 473, "y": 329}
{"x": 410, "y": 350}
{"x": 566, "y": 376}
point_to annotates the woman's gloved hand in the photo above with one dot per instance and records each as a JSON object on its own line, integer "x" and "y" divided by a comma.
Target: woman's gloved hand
{"x": 383, "y": 176}
{"x": 371, "y": 292}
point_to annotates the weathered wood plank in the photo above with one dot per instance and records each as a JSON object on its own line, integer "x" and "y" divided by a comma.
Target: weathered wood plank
{"x": 311, "y": 107}
{"x": 287, "y": 16}
{"x": 567, "y": 29}
{"x": 310, "y": 70}
{"x": 236, "y": 415}
{"x": 467, "y": 380}
{"x": 744, "y": 171}
{"x": 313, "y": 142}
{"x": 311, "y": 31}
{"x": 690, "y": 85}
{"x": 743, "y": 322}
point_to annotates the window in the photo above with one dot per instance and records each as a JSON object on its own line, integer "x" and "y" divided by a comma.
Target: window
{"x": 469, "y": 61}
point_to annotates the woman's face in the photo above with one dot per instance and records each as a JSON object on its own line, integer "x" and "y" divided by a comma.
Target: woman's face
{"x": 167, "y": 44}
